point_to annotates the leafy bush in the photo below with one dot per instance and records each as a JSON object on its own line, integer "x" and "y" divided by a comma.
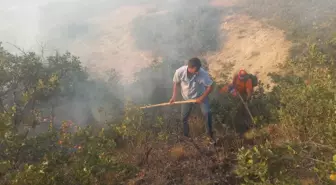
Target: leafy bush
{"x": 85, "y": 156}
{"x": 61, "y": 154}
{"x": 307, "y": 120}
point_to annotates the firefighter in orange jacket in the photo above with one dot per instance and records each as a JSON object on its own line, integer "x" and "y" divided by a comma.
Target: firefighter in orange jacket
{"x": 240, "y": 84}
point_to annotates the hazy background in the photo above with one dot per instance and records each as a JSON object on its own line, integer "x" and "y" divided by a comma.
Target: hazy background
{"x": 106, "y": 34}
{"x": 30, "y": 23}
{"x": 98, "y": 31}
{"x": 125, "y": 35}
{"x": 21, "y": 21}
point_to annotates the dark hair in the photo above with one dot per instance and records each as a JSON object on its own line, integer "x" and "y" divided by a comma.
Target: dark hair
{"x": 195, "y": 62}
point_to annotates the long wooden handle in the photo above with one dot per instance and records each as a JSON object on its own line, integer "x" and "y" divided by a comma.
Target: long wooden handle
{"x": 167, "y": 104}
{"x": 246, "y": 107}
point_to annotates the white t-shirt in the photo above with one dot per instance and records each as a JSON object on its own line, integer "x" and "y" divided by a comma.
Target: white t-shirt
{"x": 194, "y": 86}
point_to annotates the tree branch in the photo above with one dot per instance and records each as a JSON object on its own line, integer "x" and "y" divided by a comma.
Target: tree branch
{"x": 18, "y": 48}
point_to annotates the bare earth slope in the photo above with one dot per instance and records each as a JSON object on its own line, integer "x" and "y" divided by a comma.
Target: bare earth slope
{"x": 251, "y": 45}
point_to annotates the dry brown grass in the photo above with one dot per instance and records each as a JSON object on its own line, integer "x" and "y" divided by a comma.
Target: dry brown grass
{"x": 308, "y": 181}
{"x": 185, "y": 162}
{"x": 177, "y": 152}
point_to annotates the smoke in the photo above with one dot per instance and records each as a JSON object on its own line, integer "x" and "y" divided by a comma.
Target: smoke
{"x": 20, "y": 22}
{"x": 172, "y": 30}
{"x": 176, "y": 32}
{"x": 29, "y": 23}
{"x": 53, "y": 25}
{"x": 180, "y": 32}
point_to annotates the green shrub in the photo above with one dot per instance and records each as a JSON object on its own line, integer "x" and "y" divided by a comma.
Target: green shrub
{"x": 83, "y": 156}
{"x": 307, "y": 117}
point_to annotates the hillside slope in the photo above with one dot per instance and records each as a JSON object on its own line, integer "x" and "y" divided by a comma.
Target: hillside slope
{"x": 112, "y": 45}
{"x": 251, "y": 45}
{"x": 248, "y": 44}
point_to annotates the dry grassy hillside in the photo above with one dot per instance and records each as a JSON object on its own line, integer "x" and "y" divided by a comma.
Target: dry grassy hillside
{"x": 248, "y": 43}
{"x": 251, "y": 45}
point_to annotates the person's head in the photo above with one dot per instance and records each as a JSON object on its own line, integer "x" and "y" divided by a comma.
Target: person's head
{"x": 241, "y": 74}
{"x": 194, "y": 64}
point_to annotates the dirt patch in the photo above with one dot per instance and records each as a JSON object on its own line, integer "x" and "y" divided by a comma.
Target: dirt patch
{"x": 251, "y": 45}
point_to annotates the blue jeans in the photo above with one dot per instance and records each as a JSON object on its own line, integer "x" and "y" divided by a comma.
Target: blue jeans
{"x": 205, "y": 108}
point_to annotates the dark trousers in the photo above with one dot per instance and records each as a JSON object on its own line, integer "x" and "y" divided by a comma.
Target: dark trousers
{"x": 205, "y": 108}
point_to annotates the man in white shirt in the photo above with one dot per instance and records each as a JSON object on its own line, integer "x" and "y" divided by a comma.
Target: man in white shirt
{"x": 196, "y": 84}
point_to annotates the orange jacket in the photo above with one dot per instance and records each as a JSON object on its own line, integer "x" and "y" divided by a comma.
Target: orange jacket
{"x": 241, "y": 86}
{"x": 238, "y": 85}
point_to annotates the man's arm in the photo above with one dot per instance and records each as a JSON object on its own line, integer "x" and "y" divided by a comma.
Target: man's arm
{"x": 173, "y": 98}
{"x": 208, "y": 83}
{"x": 205, "y": 94}
{"x": 176, "y": 81}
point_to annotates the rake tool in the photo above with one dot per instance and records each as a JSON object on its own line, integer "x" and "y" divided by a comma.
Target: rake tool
{"x": 167, "y": 104}
{"x": 246, "y": 107}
